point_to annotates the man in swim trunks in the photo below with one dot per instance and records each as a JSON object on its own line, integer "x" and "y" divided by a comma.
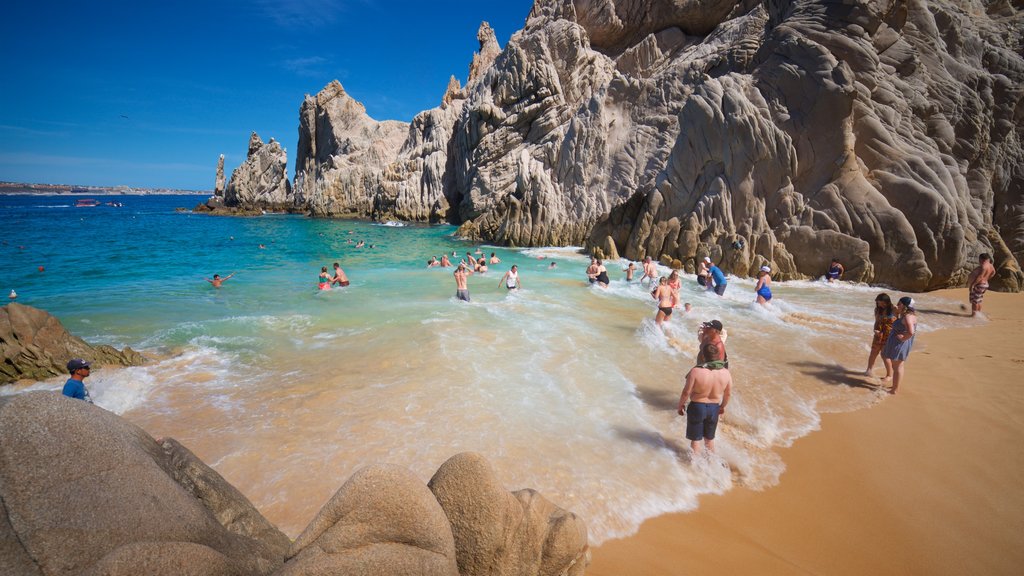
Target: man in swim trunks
{"x": 629, "y": 270}
{"x": 217, "y": 280}
{"x": 835, "y": 271}
{"x": 650, "y": 270}
{"x": 461, "y": 288}
{"x": 977, "y": 282}
{"x": 703, "y": 401}
{"x": 339, "y": 277}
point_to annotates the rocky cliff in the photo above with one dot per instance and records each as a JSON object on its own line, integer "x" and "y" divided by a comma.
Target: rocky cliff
{"x": 885, "y": 133}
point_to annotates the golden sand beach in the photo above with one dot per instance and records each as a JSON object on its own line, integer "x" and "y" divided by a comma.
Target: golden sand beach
{"x": 927, "y": 482}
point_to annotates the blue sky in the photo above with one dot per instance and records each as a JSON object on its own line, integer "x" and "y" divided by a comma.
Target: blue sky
{"x": 148, "y": 94}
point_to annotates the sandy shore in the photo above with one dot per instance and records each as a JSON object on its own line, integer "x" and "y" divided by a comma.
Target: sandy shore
{"x": 927, "y": 482}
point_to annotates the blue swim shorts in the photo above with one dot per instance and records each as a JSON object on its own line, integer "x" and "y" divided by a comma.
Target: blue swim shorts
{"x": 701, "y": 420}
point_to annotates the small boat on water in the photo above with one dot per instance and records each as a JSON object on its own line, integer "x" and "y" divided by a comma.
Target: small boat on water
{"x": 86, "y": 203}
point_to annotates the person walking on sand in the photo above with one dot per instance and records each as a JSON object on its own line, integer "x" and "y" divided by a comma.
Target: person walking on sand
{"x": 324, "y": 279}
{"x": 884, "y": 318}
{"x": 901, "y": 339}
{"x": 461, "y": 288}
{"x": 703, "y": 273}
{"x": 718, "y": 278}
{"x": 763, "y": 288}
{"x": 705, "y": 395}
{"x": 339, "y": 277}
{"x": 835, "y": 271}
{"x": 217, "y": 281}
{"x": 511, "y": 278}
{"x": 666, "y": 301}
{"x": 977, "y": 282}
{"x": 75, "y": 386}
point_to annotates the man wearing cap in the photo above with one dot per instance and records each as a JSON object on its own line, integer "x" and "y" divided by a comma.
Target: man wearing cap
{"x": 74, "y": 387}
{"x": 718, "y": 277}
{"x": 710, "y": 333}
{"x": 705, "y": 395}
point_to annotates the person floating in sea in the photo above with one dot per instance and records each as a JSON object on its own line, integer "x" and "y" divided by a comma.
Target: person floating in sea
{"x": 629, "y": 270}
{"x": 712, "y": 332}
{"x": 217, "y": 281}
{"x": 703, "y": 273}
{"x": 835, "y": 271}
{"x": 495, "y": 259}
{"x": 461, "y": 287}
{"x": 666, "y": 301}
{"x": 552, "y": 265}
{"x": 763, "y": 288}
{"x": 360, "y": 244}
{"x": 445, "y": 262}
{"x": 884, "y": 318}
{"x": 339, "y": 277}
{"x": 324, "y": 280}
{"x": 977, "y": 282}
{"x": 75, "y": 386}
{"x": 602, "y": 275}
{"x": 901, "y": 339}
{"x": 705, "y": 395}
{"x": 511, "y": 278}
{"x": 718, "y": 278}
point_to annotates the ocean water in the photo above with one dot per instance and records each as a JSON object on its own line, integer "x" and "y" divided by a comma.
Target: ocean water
{"x": 564, "y": 387}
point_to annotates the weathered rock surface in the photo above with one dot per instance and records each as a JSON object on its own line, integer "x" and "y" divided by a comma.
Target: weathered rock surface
{"x": 502, "y": 533}
{"x": 887, "y": 134}
{"x": 383, "y": 521}
{"x": 34, "y": 345}
{"x": 262, "y": 180}
{"x": 85, "y": 492}
{"x": 220, "y": 182}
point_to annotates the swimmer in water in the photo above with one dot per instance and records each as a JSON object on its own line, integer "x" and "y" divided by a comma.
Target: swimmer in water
{"x": 445, "y": 262}
{"x": 629, "y": 270}
{"x": 339, "y": 277}
{"x": 495, "y": 259}
{"x": 763, "y": 288}
{"x": 666, "y": 301}
{"x": 324, "y": 280}
{"x": 602, "y": 275}
{"x": 217, "y": 280}
{"x": 511, "y": 278}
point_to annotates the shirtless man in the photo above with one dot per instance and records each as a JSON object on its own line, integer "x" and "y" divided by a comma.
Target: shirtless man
{"x": 629, "y": 270}
{"x": 711, "y": 333}
{"x": 592, "y": 271}
{"x": 217, "y": 281}
{"x": 666, "y": 301}
{"x": 977, "y": 282}
{"x": 339, "y": 277}
{"x": 481, "y": 266}
{"x": 495, "y": 259}
{"x": 704, "y": 273}
{"x": 650, "y": 270}
{"x": 703, "y": 401}
{"x": 445, "y": 262}
{"x": 461, "y": 288}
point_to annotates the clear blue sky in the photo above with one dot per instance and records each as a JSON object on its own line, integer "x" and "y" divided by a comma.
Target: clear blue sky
{"x": 148, "y": 94}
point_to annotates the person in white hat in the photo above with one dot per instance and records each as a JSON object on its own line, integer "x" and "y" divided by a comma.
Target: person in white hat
{"x": 703, "y": 272}
{"x": 763, "y": 288}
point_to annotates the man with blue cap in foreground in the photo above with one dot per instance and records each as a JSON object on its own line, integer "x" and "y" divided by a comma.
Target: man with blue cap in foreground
{"x": 75, "y": 387}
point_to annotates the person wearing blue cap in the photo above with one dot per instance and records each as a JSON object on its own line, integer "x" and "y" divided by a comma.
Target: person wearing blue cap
{"x": 75, "y": 387}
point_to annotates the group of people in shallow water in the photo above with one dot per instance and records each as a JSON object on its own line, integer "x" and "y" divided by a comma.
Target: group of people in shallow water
{"x": 326, "y": 280}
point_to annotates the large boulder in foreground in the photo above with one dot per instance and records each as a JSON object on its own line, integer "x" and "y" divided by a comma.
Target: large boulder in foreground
{"x": 83, "y": 491}
{"x": 383, "y": 521}
{"x": 501, "y": 533}
{"x": 35, "y": 346}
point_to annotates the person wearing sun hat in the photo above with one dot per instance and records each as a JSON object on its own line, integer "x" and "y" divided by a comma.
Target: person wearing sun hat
{"x": 703, "y": 274}
{"x": 763, "y": 288}
{"x": 75, "y": 387}
{"x": 901, "y": 339}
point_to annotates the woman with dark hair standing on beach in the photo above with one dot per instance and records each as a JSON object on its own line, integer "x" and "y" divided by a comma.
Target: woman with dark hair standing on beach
{"x": 884, "y": 317}
{"x": 901, "y": 339}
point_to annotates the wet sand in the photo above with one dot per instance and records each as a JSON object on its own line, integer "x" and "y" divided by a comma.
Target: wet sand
{"x": 927, "y": 482}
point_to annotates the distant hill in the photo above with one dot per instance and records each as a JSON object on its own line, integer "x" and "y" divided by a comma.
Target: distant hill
{"x": 24, "y": 188}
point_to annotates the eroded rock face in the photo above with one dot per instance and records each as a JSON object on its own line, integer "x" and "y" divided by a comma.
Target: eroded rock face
{"x": 262, "y": 180}
{"x": 85, "y": 492}
{"x": 498, "y": 532}
{"x": 35, "y": 346}
{"x": 220, "y": 182}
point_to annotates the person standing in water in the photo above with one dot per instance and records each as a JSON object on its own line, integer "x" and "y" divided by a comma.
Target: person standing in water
{"x": 629, "y": 270}
{"x": 674, "y": 284}
{"x": 602, "y": 274}
{"x": 835, "y": 271}
{"x": 711, "y": 333}
{"x": 884, "y": 318}
{"x": 705, "y": 395}
{"x": 763, "y": 288}
{"x": 511, "y": 278}
{"x": 666, "y": 301}
{"x": 217, "y": 281}
{"x": 461, "y": 287}
{"x": 901, "y": 339}
{"x": 650, "y": 270}
{"x": 339, "y": 277}
{"x": 977, "y": 282}
{"x": 324, "y": 280}
{"x": 703, "y": 273}
{"x": 718, "y": 277}
{"x": 495, "y": 259}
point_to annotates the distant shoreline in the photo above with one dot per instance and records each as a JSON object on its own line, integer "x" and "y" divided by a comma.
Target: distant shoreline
{"x": 19, "y": 188}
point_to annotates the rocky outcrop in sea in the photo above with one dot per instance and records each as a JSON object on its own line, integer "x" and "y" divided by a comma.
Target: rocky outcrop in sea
{"x": 35, "y": 346}
{"x": 260, "y": 184}
{"x": 885, "y": 133}
{"x": 83, "y": 491}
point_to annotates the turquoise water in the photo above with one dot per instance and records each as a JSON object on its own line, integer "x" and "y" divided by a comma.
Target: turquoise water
{"x": 565, "y": 387}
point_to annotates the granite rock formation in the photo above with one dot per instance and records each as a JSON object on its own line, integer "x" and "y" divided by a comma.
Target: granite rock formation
{"x": 34, "y": 346}
{"x": 83, "y": 491}
{"x": 262, "y": 180}
{"x": 886, "y": 133}
{"x": 220, "y": 182}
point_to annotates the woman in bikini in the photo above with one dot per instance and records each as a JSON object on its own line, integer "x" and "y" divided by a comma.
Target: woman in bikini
{"x": 666, "y": 301}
